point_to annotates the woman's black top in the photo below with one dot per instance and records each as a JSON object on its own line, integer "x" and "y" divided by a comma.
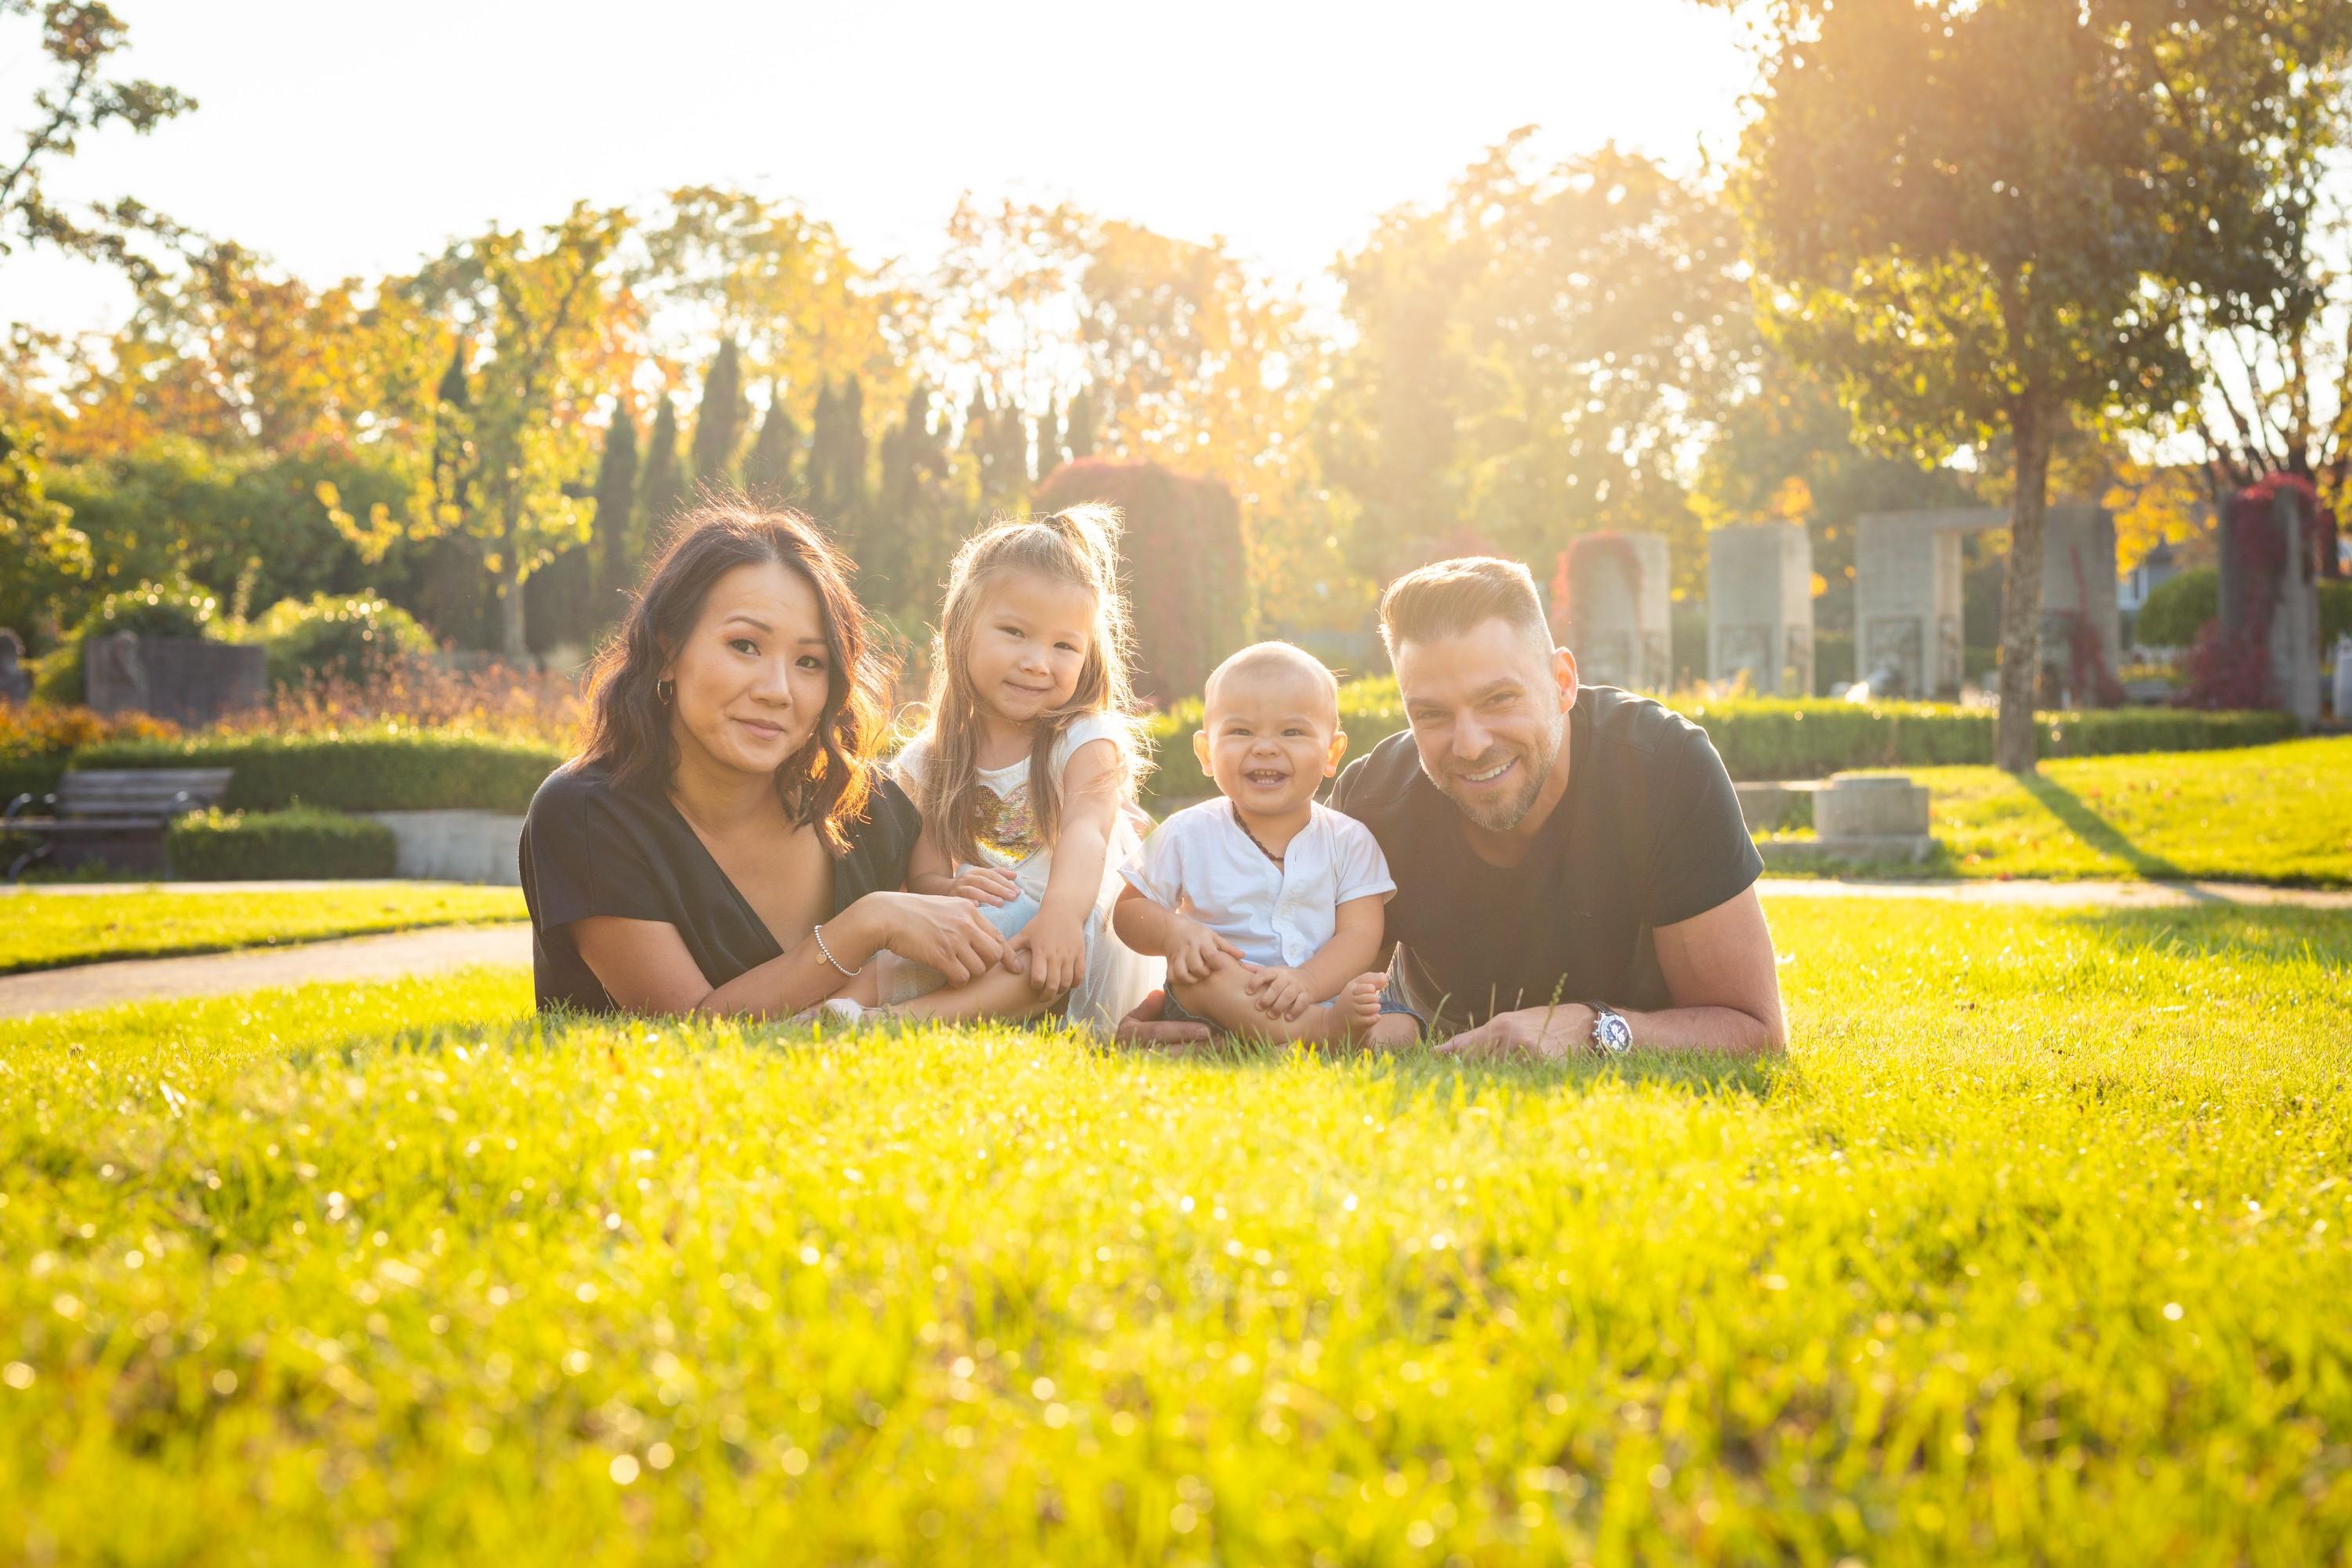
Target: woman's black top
{"x": 590, "y": 847}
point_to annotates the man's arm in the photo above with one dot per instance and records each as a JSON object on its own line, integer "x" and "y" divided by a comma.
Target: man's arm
{"x": 1721, "y": 972}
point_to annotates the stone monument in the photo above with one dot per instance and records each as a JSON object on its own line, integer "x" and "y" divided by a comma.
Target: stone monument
{"x": 1906, "y": 594}
{"x": 1617, "y": 615}
{"x": 191, "y": 681}
{"x": 16, "y": 682}
{"x": 2270, "y": 589}
{"x": 1873, "y": 816}
{"x": 1759, "y": 608}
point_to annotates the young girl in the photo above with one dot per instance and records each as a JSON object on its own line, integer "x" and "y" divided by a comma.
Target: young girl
{"x": 1026, "y": 777}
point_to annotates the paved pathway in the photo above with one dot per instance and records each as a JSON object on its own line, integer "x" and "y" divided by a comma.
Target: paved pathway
{"x": 403, "y": 953}
{"x": 2068, "y": 895}
{"x": 390, "y": 957}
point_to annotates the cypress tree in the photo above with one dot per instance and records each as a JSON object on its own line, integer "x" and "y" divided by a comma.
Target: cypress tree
{"x": 978, "y": 440}
{"x": 1049, "y": 442}
{"x": 718, "y": 422}
{"x": 824, "y": 435}
{"x": 849, "y": 452}
{"x": 612, "y": 532}
{"x": 663, "y": 487}
{"x": 768, "y": 471}
{"x": 1084, "y": 419}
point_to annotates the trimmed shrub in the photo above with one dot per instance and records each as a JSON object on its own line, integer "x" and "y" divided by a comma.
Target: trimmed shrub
{"x": 299, "y": 843}
{"x": 1186, "y": 568}
{"x": 369, "y": 770}
{"x": 2334, "y": 611}
{"x": 326, "y": 637}
{"x": 1763, "y": 738}
{"x": 173, "y": 609}
{"x": 2177, "y": 608}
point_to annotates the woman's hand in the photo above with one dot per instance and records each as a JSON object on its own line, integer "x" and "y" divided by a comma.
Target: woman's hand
{"x": 943, "y": 930}
{"x": 1052, "y": 948}
{"x": 989, "y": 885}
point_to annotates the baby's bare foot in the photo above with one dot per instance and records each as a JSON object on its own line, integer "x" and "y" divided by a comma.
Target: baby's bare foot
{"x": 1358, "y": 1006}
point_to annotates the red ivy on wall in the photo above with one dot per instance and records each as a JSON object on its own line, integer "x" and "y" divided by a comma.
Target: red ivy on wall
{"x": 2231, "y": 668}
{"x": 1186, "y": 575}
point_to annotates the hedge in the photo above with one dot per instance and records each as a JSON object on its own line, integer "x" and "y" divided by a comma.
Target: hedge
{"x": 1768, "y": 738}
{"x": 369, "y": 770}
{"x": 272, "y": 846}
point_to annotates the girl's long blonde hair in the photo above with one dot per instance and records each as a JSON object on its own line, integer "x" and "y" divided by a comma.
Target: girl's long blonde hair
{"x": 1077, "y": 545}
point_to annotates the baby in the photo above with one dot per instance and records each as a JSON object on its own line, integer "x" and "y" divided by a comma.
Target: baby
{"x": 1266, "y": 905}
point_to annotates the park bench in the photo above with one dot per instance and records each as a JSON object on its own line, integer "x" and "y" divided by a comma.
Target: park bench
{"x": 114, "y": 814}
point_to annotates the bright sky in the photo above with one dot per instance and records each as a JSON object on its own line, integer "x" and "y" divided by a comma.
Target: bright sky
{"x": 345, "y": 140}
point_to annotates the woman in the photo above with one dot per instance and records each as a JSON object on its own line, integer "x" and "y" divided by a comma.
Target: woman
{"x": 725, "y": 842}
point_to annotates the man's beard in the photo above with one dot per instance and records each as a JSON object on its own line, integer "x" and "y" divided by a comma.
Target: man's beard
{"x": 1502, "y": 814}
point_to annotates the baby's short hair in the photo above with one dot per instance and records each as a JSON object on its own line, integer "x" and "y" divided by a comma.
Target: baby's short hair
{"x": 1266, "y": 656}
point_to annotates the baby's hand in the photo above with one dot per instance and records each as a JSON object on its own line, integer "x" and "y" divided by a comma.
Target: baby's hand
{"x": 989, "y": 885}
{"x": 1280, "y": 993}
{"x": 1194, "y": 952}
{"x": 1052, "y": 948}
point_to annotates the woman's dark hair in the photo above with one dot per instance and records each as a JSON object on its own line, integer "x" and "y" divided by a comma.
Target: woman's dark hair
{"x": 825, "y": 784}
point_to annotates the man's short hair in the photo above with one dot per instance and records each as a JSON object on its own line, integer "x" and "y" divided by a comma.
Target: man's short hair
{"x": 1448, "y": 598}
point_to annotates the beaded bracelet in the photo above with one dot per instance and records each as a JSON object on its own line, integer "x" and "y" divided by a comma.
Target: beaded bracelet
{"x": 818, "y": 931}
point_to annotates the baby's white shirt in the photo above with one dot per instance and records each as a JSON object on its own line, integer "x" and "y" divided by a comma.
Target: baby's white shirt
{"x": 1202, "y": 861}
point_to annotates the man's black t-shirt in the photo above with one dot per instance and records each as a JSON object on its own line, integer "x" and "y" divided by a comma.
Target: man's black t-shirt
{"x": 592, "y": 848}
{"x": 1648, "y": 834}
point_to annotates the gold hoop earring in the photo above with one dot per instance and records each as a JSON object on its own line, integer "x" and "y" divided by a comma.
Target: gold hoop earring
{"x": 664, "y": 690}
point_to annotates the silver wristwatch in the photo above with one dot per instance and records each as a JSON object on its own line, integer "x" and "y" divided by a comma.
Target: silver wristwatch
{"x": 1612, "y": 1035}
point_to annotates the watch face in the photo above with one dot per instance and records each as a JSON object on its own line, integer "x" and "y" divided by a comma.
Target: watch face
{"x": 1614, "y": 1034}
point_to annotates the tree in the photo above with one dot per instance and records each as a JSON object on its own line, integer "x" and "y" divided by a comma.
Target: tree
{"x": 1535, "y": 357}
{"x": 837, "y": 465}
{"x": 1050, "y": 452}
{"x": 921, "y": 508}
{"x": 2282, "y": 386}
{"x": 613, "y": 529}
{"x": 718, "y": 422}
{"x": 79, "y": 38}
{"x": 541, "y": 307}
{"x": 768, "y": 471}
{"x": 1085, "y": 424}
{"x": 1983, "y": 219}
{"x": 42, "y": 554}
{"x": 662, "y": 491}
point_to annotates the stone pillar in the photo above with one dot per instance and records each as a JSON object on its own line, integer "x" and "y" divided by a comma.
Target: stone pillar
{"x": 1759, "y": 608}
{"x": 1906, "y": 599}
{"x": 1618, "y": 618}
{"x": 16, "y": 682}
{"x": 2287, "y": 604}
{"x": 2078, "y": 584}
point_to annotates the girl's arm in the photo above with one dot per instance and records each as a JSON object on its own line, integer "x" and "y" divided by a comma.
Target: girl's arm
{"x": 931, "y": 869}
{"x": 1053, "y": 944}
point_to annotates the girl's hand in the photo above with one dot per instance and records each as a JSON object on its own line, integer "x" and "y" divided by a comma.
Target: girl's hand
{"x": 943, "y": 930}
{"x": 989, "y": 885}
{"x": 1052, "y": 948}
{"x": 1280, "y": 993}
{"x": 1194, "y": 952}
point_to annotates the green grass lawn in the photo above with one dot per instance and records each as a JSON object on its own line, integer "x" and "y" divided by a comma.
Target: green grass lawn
{"x": 44, "y": 931}
{"x": 2265, "y": 814}
{"x": 2036, "y": 1247}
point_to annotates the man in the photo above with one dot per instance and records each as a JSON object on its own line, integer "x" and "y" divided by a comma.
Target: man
{"x": 1573, "y": 875}
{"x": 1573, "y": 872}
